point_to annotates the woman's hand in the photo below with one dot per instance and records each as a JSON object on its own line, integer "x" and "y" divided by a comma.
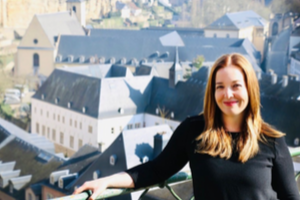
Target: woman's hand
{"x": 119, "y": 180}
{"x": 96, "y": 186}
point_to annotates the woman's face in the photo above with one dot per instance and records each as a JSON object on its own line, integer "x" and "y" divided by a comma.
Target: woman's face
{"x": 231, "y": 94}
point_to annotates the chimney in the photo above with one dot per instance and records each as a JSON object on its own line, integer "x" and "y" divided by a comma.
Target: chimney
{"x": 258, "y": 75}
{"x": 293, "y": 77}
{"x": 285, "y": 81}
{"x": 273, "y": 79}
{"x": 270, "y": 71}
{"x": 159, "y": 144}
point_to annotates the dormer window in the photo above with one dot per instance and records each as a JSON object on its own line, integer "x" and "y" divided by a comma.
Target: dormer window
{"x": 96, "y": 174}
{"x": 145, "y": 159}
{"x": 35, "y": 41}
{"x": 123, "y": 61}
{"x": 42, "y": 96}
{"x": 112, "y": 60}
{"x": 134, "y": 61}
{"x": 69, "y": 104}
{"x": 113, "y": 160}
{"x": 144, "y": 60}
{"x": 56, "y": 100}
{"x": 81, "y": 59}
{"x": 11, "y": 188}
{"x": 172, "y": 115}
{"x": 102, "y": 60}
{"x": 70, "y": 58}
{"x": 121, "y": 110}
{"x": 83, "y": 109}
{"x": 92, "y": 59}
{"x": 58, "y": 58}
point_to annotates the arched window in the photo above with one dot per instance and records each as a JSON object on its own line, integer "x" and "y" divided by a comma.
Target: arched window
{"x": 36, "y": 60}
{"x": 74, "y": 9}
{"x": 275, "y": 29}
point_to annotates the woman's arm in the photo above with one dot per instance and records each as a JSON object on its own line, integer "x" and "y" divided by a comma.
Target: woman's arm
{"x": 171, "y": 160}
{"x": 283, "y": 179}
{"x": 119, "y": 180}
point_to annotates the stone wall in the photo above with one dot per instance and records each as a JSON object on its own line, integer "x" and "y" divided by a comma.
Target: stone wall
{"x": 19, "y": 13}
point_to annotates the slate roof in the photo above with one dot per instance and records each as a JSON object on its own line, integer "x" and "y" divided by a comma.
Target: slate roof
{"x": 34, "y": 139}
{"x": 296, "y": 32}
{"x": 151, "y": 49}
{"x": 238, "y": 20}
{"x": 67, "y": 87}
{"x": 60, "y": 23}
{"x": 31, "y": 164}
{"x": 290, "y": 92}
{"x": 129, "y": 147}
{"x": 75, "y": 1}
{"x": 132, "y": 95}
{"x": 78, "y": 163}
{"x": 180, "y": 30}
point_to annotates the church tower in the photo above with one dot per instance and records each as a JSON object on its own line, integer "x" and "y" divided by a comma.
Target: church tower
{"x": 175, "y": 72}
{"x": 78, "y": 8}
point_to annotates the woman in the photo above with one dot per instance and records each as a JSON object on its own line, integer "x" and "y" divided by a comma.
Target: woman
{"x": 233, "y": 154}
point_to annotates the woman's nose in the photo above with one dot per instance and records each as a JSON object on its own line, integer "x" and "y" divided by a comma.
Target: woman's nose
{"x": 228, "y": 93}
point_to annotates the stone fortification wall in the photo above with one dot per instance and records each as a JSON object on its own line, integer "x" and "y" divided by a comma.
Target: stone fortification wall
{"x": 19, "y": 13}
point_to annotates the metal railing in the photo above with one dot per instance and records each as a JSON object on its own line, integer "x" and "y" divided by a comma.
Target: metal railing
{"x": 179, "y": 177}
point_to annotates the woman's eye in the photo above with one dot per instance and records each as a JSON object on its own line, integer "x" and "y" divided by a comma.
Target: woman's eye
{"x": 219, "y": 87}
{"x": 236, "y": 85}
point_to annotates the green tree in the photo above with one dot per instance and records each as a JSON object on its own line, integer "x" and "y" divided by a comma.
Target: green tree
{"x": 198, "y": 61}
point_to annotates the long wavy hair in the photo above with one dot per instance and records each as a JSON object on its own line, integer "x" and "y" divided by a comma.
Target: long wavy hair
{"x": 214, "y": 140}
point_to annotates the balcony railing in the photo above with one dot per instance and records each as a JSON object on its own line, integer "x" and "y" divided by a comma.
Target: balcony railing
{"x": 181, "y": 176}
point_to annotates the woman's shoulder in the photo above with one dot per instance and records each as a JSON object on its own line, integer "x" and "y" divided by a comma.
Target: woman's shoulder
{"x": 196, "y": 118}
{"x": 195, "y": 123}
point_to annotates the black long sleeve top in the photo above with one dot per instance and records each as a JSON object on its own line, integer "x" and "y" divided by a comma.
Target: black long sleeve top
{"x": 267, "y": 176}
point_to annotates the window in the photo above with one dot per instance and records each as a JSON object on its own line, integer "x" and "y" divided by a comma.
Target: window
{"x": 71, "y": 141}
{"x": 48, "y": 132}
{"x": 53, "y": 135}
{"x": 80, "y": 125}
{"x": 215, "y": 35}
{"x": 129, "y": 126}
{"x": 41, "y": 112}
{"x": 58, "y": 117}
{"x": 112, "y": 130}
{"x": 43, "y": 130}
{"x": 156, "y": 123}
{"x": 61, "y": 138}
{"x": 53, "y": 116}
{"x": 75, "y": 124}
{"x": 49, "y": 196}
{"x": 227, "y": 35}
{"x": 36, "y": 60}
{"x": 63, "y": 119}
{"x": 137, "y": 125}
{"x": 79, "y": 143}
{"x": 29, "y": 196}
{"x": 90, "y": 129}
{"x": 70, "y": 122}
{"x": 37, "y": 127}
{"x": 35, "y": 41}
{"x": 74, "y": 9}
{"x": 144, "y": 124}
{"x": 11, "y": 188}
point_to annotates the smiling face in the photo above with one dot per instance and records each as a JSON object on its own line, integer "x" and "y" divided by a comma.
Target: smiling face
{"x": 231, "y": 93}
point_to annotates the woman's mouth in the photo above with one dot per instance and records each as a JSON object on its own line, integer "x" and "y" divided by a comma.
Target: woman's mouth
{"x": 230, "y": 103}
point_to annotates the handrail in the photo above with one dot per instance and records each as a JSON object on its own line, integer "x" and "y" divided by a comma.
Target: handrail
{"x": 180, "y": 176}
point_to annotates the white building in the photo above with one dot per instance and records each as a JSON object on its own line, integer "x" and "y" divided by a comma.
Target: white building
{"x": 92, "y": 104}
